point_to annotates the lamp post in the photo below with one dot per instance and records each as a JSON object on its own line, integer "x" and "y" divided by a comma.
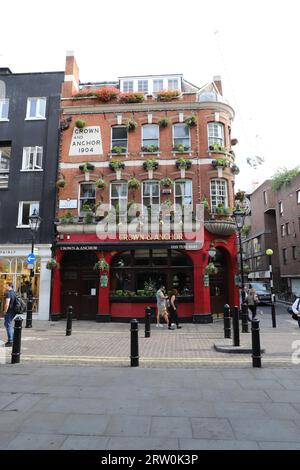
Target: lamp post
{"x": 239, "y": 217}
{"x": 212, "y": 251}
{"x": 34, "y": 224}
{"x": 270, "y": 253}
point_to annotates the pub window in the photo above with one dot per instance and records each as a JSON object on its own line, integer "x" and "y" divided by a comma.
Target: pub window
{"x": 36, "y": 108}
{"x": 87, "y": 197}
{"x": 218, "y": 193}
{"x": 215, "y": 134}
{"x": 151, "y": 193}
{"x": 280, "y": 207}
{"x": 183, "y": 193}
{"x": 283, "y": 230}
{"x": 119, "y": 195}
{"x": 26, "y": 209}
{"x": 181, "y": 136}
{"x": 141, "y": 272}
{"x": 150, "y": 136}
{"x": 119, "y": 139}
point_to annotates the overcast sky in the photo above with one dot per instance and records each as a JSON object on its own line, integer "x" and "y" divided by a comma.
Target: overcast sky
{"x": 253, "y": 45}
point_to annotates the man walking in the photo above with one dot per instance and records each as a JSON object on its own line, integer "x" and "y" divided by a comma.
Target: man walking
{"x": 10, "y": 298}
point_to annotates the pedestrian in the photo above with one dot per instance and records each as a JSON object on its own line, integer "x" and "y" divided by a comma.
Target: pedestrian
{"x": 9, "y": 314}
{"x": 161, "y": 299}
{"x": 173, "y": 310}
{"x": 252, "y": 301}
{"x": 296, "y": 308}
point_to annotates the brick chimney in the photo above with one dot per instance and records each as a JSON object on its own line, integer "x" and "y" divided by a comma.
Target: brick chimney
{"x": 218, "y": 82}
{"x": 71, "y": 83}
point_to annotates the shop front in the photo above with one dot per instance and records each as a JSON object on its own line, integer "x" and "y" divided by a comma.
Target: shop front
{"x": 132, "y": 273}
{"x": 14, "y": 268}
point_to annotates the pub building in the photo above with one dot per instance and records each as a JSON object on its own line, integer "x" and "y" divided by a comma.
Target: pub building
{"x": 159, "y": 142}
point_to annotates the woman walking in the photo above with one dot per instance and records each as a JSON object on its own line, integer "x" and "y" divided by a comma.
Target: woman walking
{"x": 173, "y": 307}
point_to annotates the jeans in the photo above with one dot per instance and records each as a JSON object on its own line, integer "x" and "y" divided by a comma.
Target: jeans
{"x": 8, "y": 323}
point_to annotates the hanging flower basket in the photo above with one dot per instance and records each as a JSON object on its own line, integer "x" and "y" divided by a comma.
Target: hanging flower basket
{"x": 101, "y": 184}
{"x": 134, "y": 183}
{"x": 166, "y": 182}
{"x": 80, "y": 124}
{"x": 86, "y": 167}
{"x": 210, "y": 269}
{"x": 191, "y": 121}
{"x": 104, "y": 280}
{"x": 101, "y": 266}
{"x": 130, "y": 125}
{"x": 52, "y": 264}
{"x": 164, "y": 122}
{"x": 61, "y": 183}
{"x": 235, "y": 169}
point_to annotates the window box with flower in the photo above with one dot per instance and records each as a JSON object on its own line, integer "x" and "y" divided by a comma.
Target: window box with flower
{"x": 168, "y": 95}
{"x": 131, "y": 97}
{"x": 107, "y": 94}
{"x": 119, "y": 150}
{"x": 150, "y": 149}
{"x": 180, "y": 148}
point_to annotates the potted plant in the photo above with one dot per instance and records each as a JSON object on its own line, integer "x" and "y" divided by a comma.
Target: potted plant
{"x": 150, "y": 165}
{"x": 220, "y": 164}
{"x": 183, "y": 164}
{"x": 52, "y": 264}
{"x": 117, "y": 166}
{"x": 101, "y": 265}
{"x": 164, "y": 122}
{"x": 89, "y": 217}
{"x": 168, "y": 95}
{"x": 107, "y": 94}
{"x": 166, "y": 182}
{"x": 216, "y": 148}
{"x": 67, "y": 218}
{"x": 86, "y": 168}
{"x": 131, "y": 97}
{"x": 119, "y": 150}
{"x": 61, "y": 182}
{"x": 210, "y": 269}
{"x": 134, "y": 183}
{"x": 80, "y": 124}
{"x": 150, "y": 148}
{"x": 101, "y": 184}
{"x": 191, "y": 121}
{"x": 180, "y": 148}
{"x": 130, "y": 125}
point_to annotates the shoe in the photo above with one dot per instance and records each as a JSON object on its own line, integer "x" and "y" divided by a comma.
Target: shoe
{"x": 171, "y": 328}
{"x": 161, "y": 326}
{"x": 8, "y": 345}
{"x": 178, "y": 327}
{"x": 157, "y": 325}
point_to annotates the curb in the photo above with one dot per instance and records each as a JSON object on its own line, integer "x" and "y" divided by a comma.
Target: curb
{"x": 229, "y": 349}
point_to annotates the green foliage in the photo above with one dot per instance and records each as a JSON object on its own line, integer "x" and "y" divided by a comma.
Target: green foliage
{"x": 220, "y": 162}
{"x": 283, "y": 177}
{"x": 89, "y": 218}
{"x": 180, "y": 148}
{"x": 210, "y": 269}
{"x": 166, "y": 182}
{"x": 86, "y": 167}
{"x": 164, "y": 122}
{"x": 150, "y": 148}
{"x": 183, "y": 163}
{"x": 67, "y": 218}
{"x": 216, "y": 148}
{"x": 101, "y": 266}
{"x": 150, "y": 164}
{"x": 130, "y": 124}
{"x": 118, "y": 149}
{"x": 134, "y": 183}
{"x": 246, "y": 230}
{"x": 101, "y": 184}
{"x": 191, "y": 121}
{"x": 80, "y": 124}
{"x": 240, "y": 195}
{"x": 115, "y": 165}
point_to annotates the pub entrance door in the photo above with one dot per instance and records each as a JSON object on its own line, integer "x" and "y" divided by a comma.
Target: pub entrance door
{"x": 80, "y": 284}
{"x": 218, "y": 283}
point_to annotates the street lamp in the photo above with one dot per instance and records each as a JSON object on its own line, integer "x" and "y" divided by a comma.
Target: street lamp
{"x": 270, "y": 253}
{"x": 239, "y": 217}
{"x": 34, "y": 224}
{"x": 212, "y": 251}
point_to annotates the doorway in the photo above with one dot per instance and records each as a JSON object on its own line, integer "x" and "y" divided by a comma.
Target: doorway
{"x": 218, "y": 283}
{"x": 79, "y": 285}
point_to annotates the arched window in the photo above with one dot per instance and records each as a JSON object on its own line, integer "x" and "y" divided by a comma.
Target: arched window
{"x": 181, "y": 136}
{"x": 216, "y": 134}
{"x": 87, "y": 197}
{"x": 141, "y": 272}
{"x": 218, "y": 193}
{"x": 150, "y": 139}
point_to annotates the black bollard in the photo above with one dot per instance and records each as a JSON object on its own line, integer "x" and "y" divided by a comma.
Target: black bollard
{"x": 16, "y": 349}
{"x": 29, "y": 312}
{"x": 69, "y": 321}
{"x": 245, "y": 328}
{"x": 148, "y": 322}
{"x": 134, "y": 343}
{"x": 256, "y": 354}
{"x": 227, "y": 322}
{"x": 273, "y": 315}
{"x": 236, "y": 327}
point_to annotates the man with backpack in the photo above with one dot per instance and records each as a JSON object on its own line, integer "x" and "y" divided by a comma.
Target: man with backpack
{"x": 10, "y": 299}
{"x": 296, "y": 308}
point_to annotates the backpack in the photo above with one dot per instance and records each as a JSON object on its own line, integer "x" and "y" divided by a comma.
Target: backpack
{"x": 19, "y": 306}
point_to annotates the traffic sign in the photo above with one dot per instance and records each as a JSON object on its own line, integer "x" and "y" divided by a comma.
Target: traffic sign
{"x": 31, "y": 258}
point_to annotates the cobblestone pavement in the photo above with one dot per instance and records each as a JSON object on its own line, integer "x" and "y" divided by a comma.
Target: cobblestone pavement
{"x": 192, "y": 346}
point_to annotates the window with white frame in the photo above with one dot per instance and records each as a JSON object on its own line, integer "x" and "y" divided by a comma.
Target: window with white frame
{"x": 183, "y": 193}
{"x": 150, "y": 136}
{"x": 158, "y": 85}
{"x": 4, "y": 108}
{"x": 128, "y": 86}
{"x": 218, "y": 193}
{"x": 151, "y": 193}
{"x": 216, "y": 134}
{"x": 32, "y": 158}
{"x": 4, "y": 165}
{"x": 283, "y": 231}
{"x": 119, "y": 195}
{"x": 173, "y": 84}
{"x": 87, "y": 197}
{"x": 119, "y": 138}
{"x": 298, "y": 196}
{"x": 26, "y": 209}
{"x": 280, "y": 207}
{"x": 143, "y": 86}
{"x": 36, "y": 108}
{"x": 181, "y": 136}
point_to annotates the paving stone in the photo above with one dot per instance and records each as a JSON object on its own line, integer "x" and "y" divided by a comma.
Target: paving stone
{"x": 6, "y": 438}
{"x": 171, "y": 427}
{"x": 265, "y": 430}
{"x": 281, "y": 410}
{"x": 27, "y": 441}
{"x": 140, "y": 443}
{"x": 260, "y": 384}
{"x": 43, "y": 423}
{"x": 205, "y": 444}
{"x": 211, "y": 428}
{"x": 279, "y": 445}
{"x": 7, "y": 398}
{"x": 84, "y": 424}
{"x": 85, "y": 443}
{"x": 138, "y": 426}
{"x": 236, "y": 410}
{"x": 284, "y": 396}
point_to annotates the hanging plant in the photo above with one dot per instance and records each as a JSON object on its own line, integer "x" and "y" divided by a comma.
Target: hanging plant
{"x": 150, "y": 164}
{"x": 164, "y": 122}
{"x": 61, "y": 183}
{"x": 191, "y": 121}
{"x": 131, "y": 97}
{"x": 115, "y": 165}
{"x": 119, "y": 150}
{"x": 101, "y": 184}
{"x": 107, "y": 94}
{"x": 220, "y": 162}
{"x": 86, "y": 167}
{"x": 235, "y": 169}
{"x": 80, "y": 124}
{"x": 134, "y": 183}
{"x": 168, "y": 95}
{"x": 130, "y": 125}
{"x": 234, "y": 142}
{"x": 210, "y": 269}
{"x": 52, "y": 264}
{"x": 166, "y": 182}
{"x": 101, "y": 265}
{"x": 183, "y": 163}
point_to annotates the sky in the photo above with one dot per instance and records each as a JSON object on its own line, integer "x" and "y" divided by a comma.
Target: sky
{"x": 253, "y": 45}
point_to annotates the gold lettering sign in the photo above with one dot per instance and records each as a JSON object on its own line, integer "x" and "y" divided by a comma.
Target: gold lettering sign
{"x": 155, "y": 237}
